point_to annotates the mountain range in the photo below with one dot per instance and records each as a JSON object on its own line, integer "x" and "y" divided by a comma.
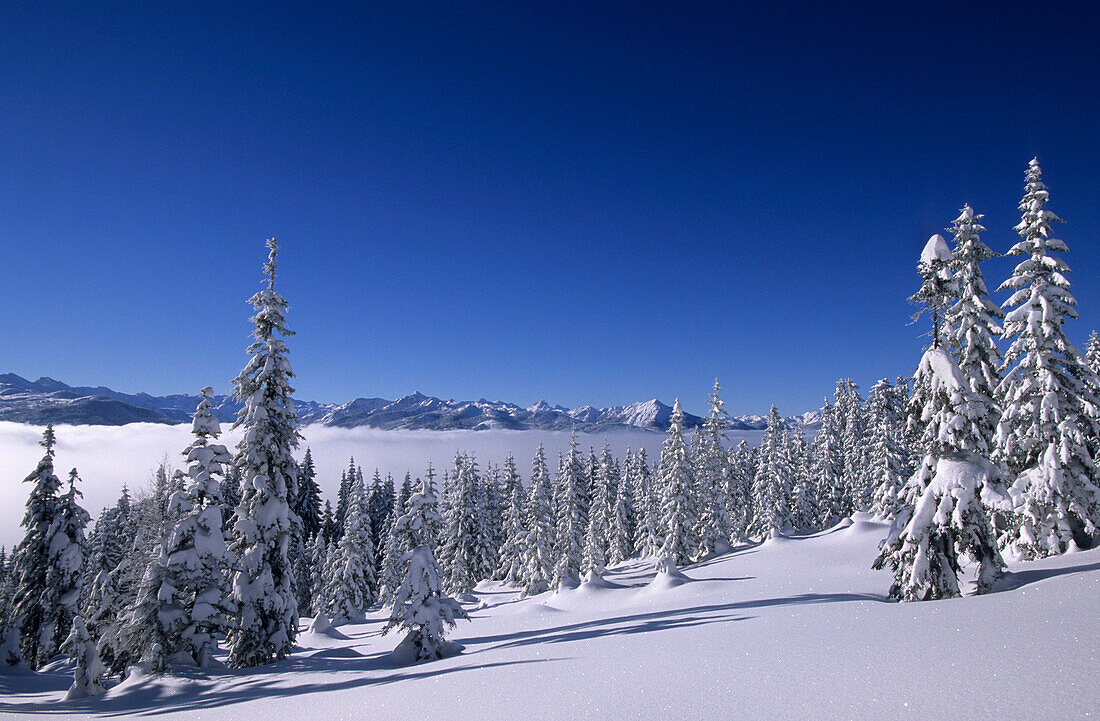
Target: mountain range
{"x": 50, "y": 401}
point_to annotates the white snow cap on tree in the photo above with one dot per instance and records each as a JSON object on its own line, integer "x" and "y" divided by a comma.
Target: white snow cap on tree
{"x": 935, "y": 250}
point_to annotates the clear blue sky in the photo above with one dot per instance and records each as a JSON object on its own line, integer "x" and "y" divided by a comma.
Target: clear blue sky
{"x": 583, "y": 202}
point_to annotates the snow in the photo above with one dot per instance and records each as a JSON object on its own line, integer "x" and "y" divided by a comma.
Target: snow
{"x": 935, "y": 249}
{"x": 796, "y": 628}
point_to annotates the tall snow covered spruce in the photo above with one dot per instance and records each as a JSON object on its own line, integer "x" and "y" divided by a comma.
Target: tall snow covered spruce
{"x": 195, "y": 601}
{"x": 712, "y": 474}
{"x": 676, "y": 481}
{"x": 263, "y": 585}
{"x": 537, "y": 567}
{"x": 571, "y": 511}
{"x": 1049, "y": 416}
{"x": 349, "y": 585}
{"x": 773, "y": 481}
{"x": 973, "y": 319}
{"x": 943, "y": 516}
{"x": 43, "y": 597}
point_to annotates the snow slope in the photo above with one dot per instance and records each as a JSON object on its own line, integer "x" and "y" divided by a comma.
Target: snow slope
{"x": 794, "y": 628}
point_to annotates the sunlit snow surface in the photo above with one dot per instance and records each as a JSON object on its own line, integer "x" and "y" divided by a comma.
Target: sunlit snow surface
{"x": 791, "y": 629}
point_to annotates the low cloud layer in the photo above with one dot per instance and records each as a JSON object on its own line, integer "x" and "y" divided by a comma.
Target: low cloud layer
{"x": 109, "y": 456}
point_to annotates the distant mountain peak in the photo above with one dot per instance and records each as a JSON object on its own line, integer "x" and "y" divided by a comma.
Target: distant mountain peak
{"x": 47, "y": 400}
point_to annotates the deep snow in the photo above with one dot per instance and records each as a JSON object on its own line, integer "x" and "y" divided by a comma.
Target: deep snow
{"x": 793, "y": 628}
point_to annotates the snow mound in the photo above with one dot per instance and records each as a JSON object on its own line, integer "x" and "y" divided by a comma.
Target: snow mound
{"x": 337, "y": 652}
{"x": 406, "y": 654}
{"x": 667, "y": 578}
{"x": 322, "y": 626}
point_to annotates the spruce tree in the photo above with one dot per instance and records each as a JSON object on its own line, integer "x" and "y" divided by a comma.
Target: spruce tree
{"x": 263, "y": 585}
{"x": 805, "y": 513}
{"x": 89, "y": 669}
{"x": 195, "y": 602}
{"x": 676, "y": 481}
{"x": 349, "y": 586}
{"x": 742, "y": 467}
{"x": 34, "y": 603}
{"x": 828, "y": 467}
{"x": 888, "y": 457}
{"x": 421, "y": 608}
{"x": 943, "y": 516}
{"x": 647, "y": 503}
{"x": 309, "y": 498}
{"x": 570, "y": 498}
{"x": 713, "y": 478}
{"x": 514, "y": 527}
{"x": 773, "y": 481}
{"x": 461, "y": 546}
{"x": 973, "y": 319}
{"x": 600, "y": 515}
{"x": 623, "y": 517}
{"x": 1049, "y": 408}
{"x": 537, "y": 567}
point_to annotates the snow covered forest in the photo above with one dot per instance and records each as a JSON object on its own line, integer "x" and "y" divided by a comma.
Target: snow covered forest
{"x": 960, "y": 479}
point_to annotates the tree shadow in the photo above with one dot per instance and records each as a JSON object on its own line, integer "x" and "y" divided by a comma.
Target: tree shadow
{"x": 194, "y": 689}
{"x": 656, "y": 620}
{"x": 1014, "y": 580}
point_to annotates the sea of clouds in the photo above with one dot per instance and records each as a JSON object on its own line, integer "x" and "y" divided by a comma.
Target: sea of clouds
{"x": 109, "y": 456}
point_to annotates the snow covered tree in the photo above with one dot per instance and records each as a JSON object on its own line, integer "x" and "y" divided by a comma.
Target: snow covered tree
{"x": 421, "y": 608}
{"x": 888, "y": 457}
{"x": 973, "y": 319}
{"x": 647, "y": 504}
{"x": 938, "y": 287}
{"x": 380, "y": 508}
{"x": 571, "y": 502}
{"x": 600, "y": 515}
{"x": 89, "y": 671}
{"x": 1049, "y": 408}
{"x": 828, "y": 467}
{"x": 489, "y": 522}
{"x": 143, "y": 631}
{"x": 35, "y": 603}
{"x": 623, "y": 517}
{"x": 713, "y": 478}
{"x": 1092, "y": 352}
{"x": 309, "y": 498}
{"x": 537, "y": 567}
{"x": 194, "y": 597}
{"x": 676, "y": 481}
{"x": 742, "y": 467}
{"x": 350, "y": 585}
{"x": 318, "y": 555}
{"x": 805, "y": 513}
{"x": 851, "y": 416}
{"x": 263, "y": 586}
{"x": 943, "y": 516}
{"x": 67, "y": 557}
{"x": 462, "y": 544}
{"x": 342, "y": 494}
{"x": 514, "y": 527}
{"x": 772, "y": 484}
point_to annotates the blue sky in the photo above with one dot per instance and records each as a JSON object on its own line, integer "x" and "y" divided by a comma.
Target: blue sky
{"x": 519, "y": 201}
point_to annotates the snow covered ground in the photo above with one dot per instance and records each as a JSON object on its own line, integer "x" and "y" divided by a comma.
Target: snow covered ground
{"x": 794, "y": 628}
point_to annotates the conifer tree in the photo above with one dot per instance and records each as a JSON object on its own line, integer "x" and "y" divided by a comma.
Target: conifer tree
{"x": 349, "y": 586}
{"x": 772, "y": 484}
{"x": 263, "y": 586}
{"x": 67, "y": 557}
{"x": 647, "y": 532}
{"x": 828, "y": 467}
{"x": 1049, "y": 408}
{"x": 742, "y": 467}
{"x": 713, "y": 478}
{"x": 600, "y": 515}
{"x": 623, "y": 517}
{"x": 514, "y": 527}
{"x": 34, "y": 603}
{"x": 973, "y": 319}
{"x": 1092, "y": 352}
{"x": 805, "y": 513}
{"x": 943, "y": 516}
{"x": 195, "y": 603}
{"x": 461, "y": 546}
{"x": 676, "y": 481}
{"x": 570, "y": 498}
{"x": 888, "y": 458}
{"x": 538, "y": 549}
{"x": 856, "y": 494}
{"x": 421, "y": 608}
{"x": 309, "y": 498}
{"x": 89, "y": 669}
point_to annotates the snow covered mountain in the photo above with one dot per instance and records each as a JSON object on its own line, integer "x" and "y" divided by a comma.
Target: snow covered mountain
{"x": 50, "y": 401}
